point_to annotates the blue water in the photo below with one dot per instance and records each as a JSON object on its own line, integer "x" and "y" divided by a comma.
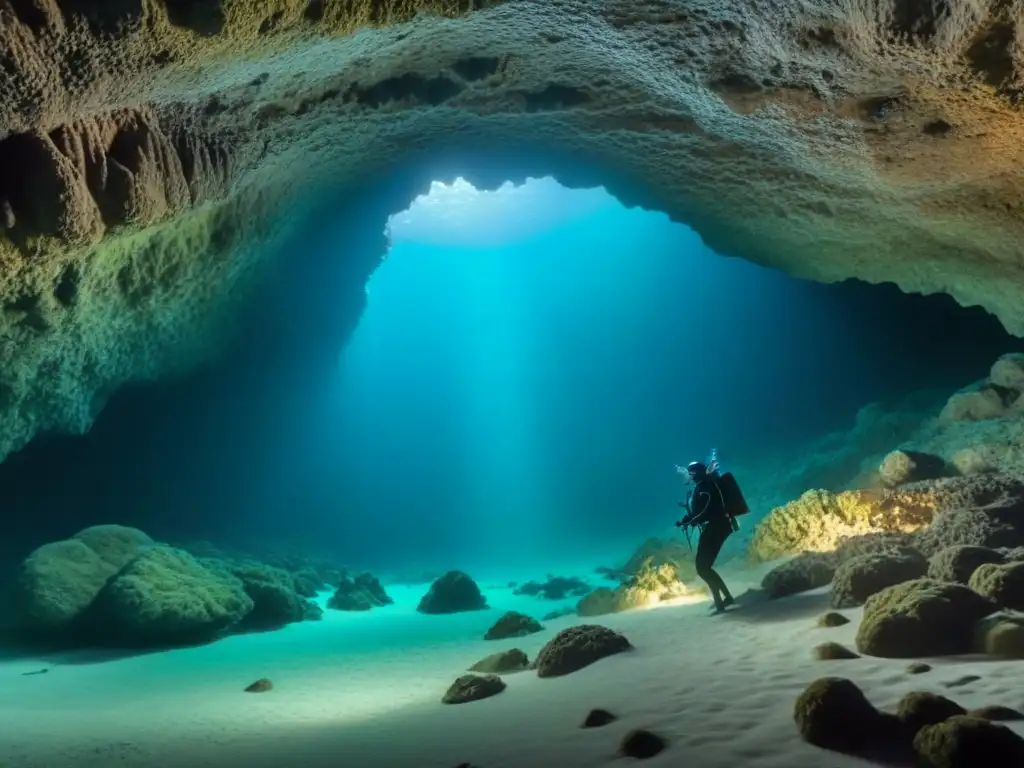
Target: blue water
{"x": 534, "y": 361}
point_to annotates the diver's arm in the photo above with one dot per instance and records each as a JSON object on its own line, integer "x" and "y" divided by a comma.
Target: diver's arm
{"x": 696, "y": 517}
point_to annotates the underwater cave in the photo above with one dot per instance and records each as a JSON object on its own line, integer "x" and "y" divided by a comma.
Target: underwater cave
{"x": 373, "y": 376}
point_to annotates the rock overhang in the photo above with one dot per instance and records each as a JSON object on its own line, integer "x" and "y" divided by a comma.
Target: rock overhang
{"x": 149, "y": 193}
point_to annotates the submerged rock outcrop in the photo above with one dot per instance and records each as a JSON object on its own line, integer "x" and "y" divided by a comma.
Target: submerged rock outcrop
{"x": 161, "y": 155}
{"x": 455, "y": 592}
{"x": 114, "y": 586}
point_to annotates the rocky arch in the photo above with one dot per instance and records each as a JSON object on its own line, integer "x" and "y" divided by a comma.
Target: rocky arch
{"x": 166, "y": 167}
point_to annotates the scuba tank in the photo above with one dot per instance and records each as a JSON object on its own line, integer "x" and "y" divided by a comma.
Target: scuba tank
{"x": 728, "y": 490}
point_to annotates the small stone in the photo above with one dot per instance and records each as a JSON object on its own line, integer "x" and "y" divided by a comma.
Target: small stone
{"x": 473, "y": 688}
{"x": 961, "y": 681}
{"x": 996, "y": 712}
{"x": 260, "y": 686}
{"x": 918, "y": 668}
{"x": 832, "y": 619}
{"x": 833, "y": 652}
{"x": 597, "y": 718}
{"x": 641, "y": 744}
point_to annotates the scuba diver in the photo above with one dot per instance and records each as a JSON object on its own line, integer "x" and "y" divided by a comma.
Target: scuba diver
{"x": 708, "y": 511}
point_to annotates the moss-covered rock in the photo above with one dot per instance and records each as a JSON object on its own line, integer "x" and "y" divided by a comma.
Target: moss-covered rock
{"x": 166, "y": 597}
{"x": 455, "y": 592}
{"x": 513, "y": 624}
{"x": 923, "y": 617}
{"x": 860, "y": 577}
{"x": 577, "y": 647}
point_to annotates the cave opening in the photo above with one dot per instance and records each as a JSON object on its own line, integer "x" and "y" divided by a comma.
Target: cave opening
{"x": 526, "y": 366}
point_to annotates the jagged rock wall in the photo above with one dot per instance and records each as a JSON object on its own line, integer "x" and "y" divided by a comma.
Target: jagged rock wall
{"x": 159, "y": 159}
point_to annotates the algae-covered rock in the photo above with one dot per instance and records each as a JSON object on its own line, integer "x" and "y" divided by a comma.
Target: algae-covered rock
{"x": 58, "y": 581}
{"x": 1003, "y": 584}
{"x": 969, "y": 742}
{"x": 918, "y": 709}
{"x": 1000, "y": 634}
{"x": 860, "y": 577}
{"x": 502, "y": 663}
{"x": 577, "y": 647}
{"x": 804, "y": 572}
{"x": 455, "y": 592}
{"x": 958, "y": 563}
{"x": 513, "y": 624}
{"x": 923, "y": 617}
{"x": 473, "y": 688}
{"x": 833, "y": 713}
{"x": 831, "y": 651}
{"x": 167, "y": 597}
{"x": 819, "y": 520}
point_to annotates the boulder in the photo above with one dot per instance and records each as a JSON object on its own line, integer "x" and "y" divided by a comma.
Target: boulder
{"x": 804, "y": 572}
{"x": 116, "y": 545}
{"x": 165, "y": 597}
{"x": 513, "y": 624}
{"x": 455, "y": 592}
{"x": 901, "y": 467}
{"x": 654, "y": 553}
{"x": 577, "y": 647}
{"x": 819, "y": 520}
{"x": 473, "y": 688}
{"x": 641, "y": 744}
{"x": 831, "y": 651}
{"x": 967, "y": 527}
{"x": 1003, "y": 584}
{"x": 875, "y": 543}
{"x": 58, "y": 581}
{"x": 274, "y": 600}
{"x": 1008, "y": 372}
{"x": 833, "y": 713}
{"x": 974, "y": 460}
{"x": 1000, "y": 634}
{"x": 649, "y": 585}
{"x": 860, "y": 577}
{"x": 918, "y": 709}
{"x": 502, "y": 663}
{"x": 359, "y": 593}
{"x": 923, "y": 617}
{"x": 976, "y": 404}
{"x": 966, "y": 742}
{"x": 958, "y": 563}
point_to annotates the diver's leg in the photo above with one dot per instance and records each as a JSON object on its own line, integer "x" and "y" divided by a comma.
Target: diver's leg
{"x": 705, "y": 557}
{"x": 715, "y": 543}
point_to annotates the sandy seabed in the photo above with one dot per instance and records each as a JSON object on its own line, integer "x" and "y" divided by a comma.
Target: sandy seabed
{"x": 363, "y": 690}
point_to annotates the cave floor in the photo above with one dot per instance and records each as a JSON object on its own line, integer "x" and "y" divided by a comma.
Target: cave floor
{"x": 365, "y": 689}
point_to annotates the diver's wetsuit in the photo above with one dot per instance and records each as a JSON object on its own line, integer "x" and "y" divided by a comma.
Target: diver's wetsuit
{"x": 707, "y": 511}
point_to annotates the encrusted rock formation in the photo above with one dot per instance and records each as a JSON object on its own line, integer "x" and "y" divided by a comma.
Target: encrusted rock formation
{"x": 164, "y": 164}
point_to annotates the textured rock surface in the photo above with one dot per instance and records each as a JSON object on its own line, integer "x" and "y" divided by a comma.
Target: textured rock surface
{"x": 167, "y": 597}
{"x": 577, "y": 647}
{"x": 154, "y": 179}
{"x": 860, "y": 577}
{"x": 920, "y": 618}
